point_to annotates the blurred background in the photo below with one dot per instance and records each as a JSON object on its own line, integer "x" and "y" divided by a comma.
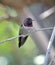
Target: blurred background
{"x": 34, "y": 50}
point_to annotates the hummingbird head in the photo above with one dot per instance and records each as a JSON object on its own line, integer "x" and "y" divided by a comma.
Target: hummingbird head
{"x": 28, "y": 22}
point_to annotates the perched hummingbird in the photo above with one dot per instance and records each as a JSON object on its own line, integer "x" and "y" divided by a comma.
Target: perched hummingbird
{"x": 27, "y": 25}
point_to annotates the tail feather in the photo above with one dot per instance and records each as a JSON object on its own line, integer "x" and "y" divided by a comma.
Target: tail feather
{"x": 19, "y": 45}
{"x": 22, "y": 41}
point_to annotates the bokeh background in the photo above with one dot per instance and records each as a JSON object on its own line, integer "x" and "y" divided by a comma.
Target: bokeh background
{"x": 34, "y": 49}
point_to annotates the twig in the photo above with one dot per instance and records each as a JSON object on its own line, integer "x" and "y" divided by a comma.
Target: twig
{"x": 47, "y": 13}
{"x": 42, "y": 29}
{"x": 49, "y": 47}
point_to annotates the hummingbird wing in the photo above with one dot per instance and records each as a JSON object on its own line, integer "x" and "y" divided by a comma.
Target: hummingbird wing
{"x": 22, "y": 39}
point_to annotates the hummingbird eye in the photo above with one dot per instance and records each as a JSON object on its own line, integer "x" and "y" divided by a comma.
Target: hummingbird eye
{"x": 29, "y": 21}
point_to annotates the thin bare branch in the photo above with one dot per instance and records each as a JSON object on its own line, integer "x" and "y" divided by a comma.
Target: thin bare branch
{"x": 39, "y": 29}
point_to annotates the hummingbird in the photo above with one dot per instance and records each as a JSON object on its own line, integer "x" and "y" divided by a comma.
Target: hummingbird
{"x": 27, "y": 25}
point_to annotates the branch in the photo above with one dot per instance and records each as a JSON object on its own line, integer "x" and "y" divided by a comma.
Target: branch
{"x": 47, "y": 13}
{"x": 49, "y": 47}
{"x": 24, "y": 35}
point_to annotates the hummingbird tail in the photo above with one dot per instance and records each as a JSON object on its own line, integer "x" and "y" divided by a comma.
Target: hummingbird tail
{"x": 22, "y": 41}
